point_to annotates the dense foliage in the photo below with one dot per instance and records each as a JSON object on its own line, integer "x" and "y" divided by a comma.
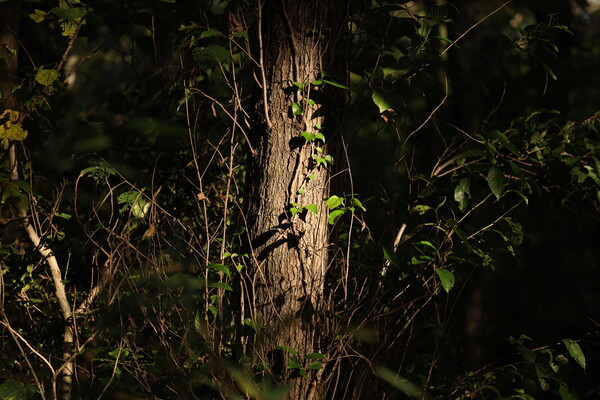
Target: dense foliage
{"x": 463, "y": 208}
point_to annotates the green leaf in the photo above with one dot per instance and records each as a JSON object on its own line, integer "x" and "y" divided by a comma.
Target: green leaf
{"x": 220, "y": 267}
{"x": 312, "y": 208}
{"x": 296, "y": 108}
{"x": 446, "y": 277}
{"x": 382, "y": 99}
{"x": 320, "y": 136}
{"x": 462, "y": 193}
{"x": 70, "y": 14}
{"x": 391, "y": 256}
{"x": 308, "y": 137}
{"x": 213, "y": 310}
{"x": 317, "y": 82}
{"x": 334, "y": 202}
{"x": 334, "y": 215}
{"x": 400, "y": 383}
{"x": 356, "y": 203}
{"x": 329, "y": 159}
{"x": 46, "y": 77}
{"x": 565, "y": 393}
{"x": 251, "y": 324}
{"x": 315, "y": 365}
{"x": 575, "y": 351}
{"x": 221, "y": 285}
{"x": 338, "y": 85}
{"x": 495, "y": 180}
{"x": 210, "y": 33}
{"x": 294, "y": 363}
{"x": 315, "y": 356}
{"x": 421, "y": 209}
{"x": 38, "y": 16}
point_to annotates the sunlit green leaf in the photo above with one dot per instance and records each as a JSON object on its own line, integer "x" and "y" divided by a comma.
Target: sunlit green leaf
{"x": 334, "y": 215}
{"x": 334, "y": 202}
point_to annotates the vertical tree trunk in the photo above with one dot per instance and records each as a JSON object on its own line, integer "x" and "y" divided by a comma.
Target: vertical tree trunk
{"x": 9, "y": 45}
{"x": 290, "y": 251}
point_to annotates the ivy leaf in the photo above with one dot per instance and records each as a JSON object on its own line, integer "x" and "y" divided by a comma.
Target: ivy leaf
{"x": 446, "y": 277}
{"x": 308, "y": 137}
{"x": 334, "y": 202}
{"x": 462, "y": 193}
{"x": 495, "y": 180}
{"x": 315, "y": 365}
{"x": 294, "y": 363}
{"x": 313, "y": 208}
{"x": 575, "y": 351}
{"x": 334, "y": 215}
{"x": 296, "y": 108}
{"x": 46, "y": 77}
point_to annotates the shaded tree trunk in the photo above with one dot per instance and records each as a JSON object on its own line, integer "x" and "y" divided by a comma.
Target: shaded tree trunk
{"x": 290, "y": 250}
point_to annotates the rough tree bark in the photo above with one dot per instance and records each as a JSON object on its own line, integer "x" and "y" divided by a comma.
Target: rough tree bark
{"x": 298, "y": 43}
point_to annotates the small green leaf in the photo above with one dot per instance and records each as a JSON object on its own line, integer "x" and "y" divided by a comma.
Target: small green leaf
{"x": 495, "y": 180}
{"x": 313, "y": 208}
{"x": 301, "y": 191}
{"x": 70, "y": 14}
{"x": 315, "y": 356}
{"x": 221, "y": 268}
{"x": 391, "y": 256}
{"x": 334, "y": 202}
{"x": 421, "y": 209}
{"x": 299, "y": 85}
{"x": 308, "y": 137}
{"x": 315, "y": 365}
{"x": 63, "y": 215}
{"x": 462, "y": 193}
{"x": 296, "y": 108}
{"x": 334, "y": 215}
{"x": 575, "y": 351}
{"x": 356, "y": 203}
{"x": 320, "y": 136}
{"x": 338, "y": 85}
{"x": 446, "y": 277}
{"x": 46, "y": 77}
{"x": 221, "y": 285}
{"x": 209, "y": 33}
{"x": 317, "y": 82}
{"x": 329, "y": 159}
{"x": 294, "y": 363}
{"x": 38, "y": 16}
{"x": 213, "y": 310}
{"x": 251, "y": 324}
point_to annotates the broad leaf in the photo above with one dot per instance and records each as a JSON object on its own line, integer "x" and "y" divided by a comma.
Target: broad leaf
{"x": 334, "y": 215}
{"x": 446, "y": 277}
{"x": 462, "y": 193}
{"x": 495, "y": 180}
{"x": 575, "y": 351}
{"x": 46, "y": 77}
{"x": 334, "y": 202}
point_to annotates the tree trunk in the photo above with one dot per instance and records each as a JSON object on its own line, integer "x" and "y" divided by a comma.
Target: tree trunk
{"x": 289, "y": 257}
